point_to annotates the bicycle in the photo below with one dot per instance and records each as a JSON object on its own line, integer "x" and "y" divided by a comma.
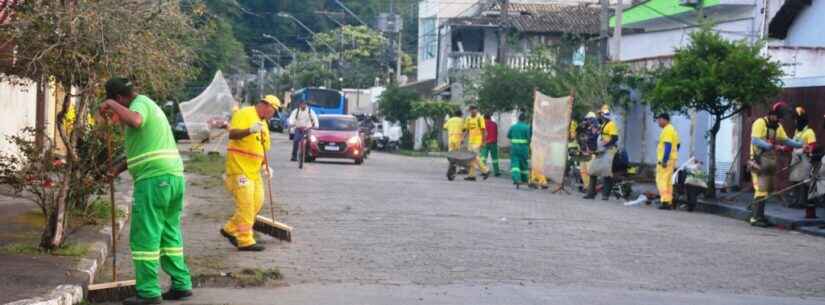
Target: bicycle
{"x": 302, "y": 148}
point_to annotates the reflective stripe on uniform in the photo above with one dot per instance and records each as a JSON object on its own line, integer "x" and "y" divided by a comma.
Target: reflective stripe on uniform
{"x": 145, "y": 255}
{"x": 153, "y": 155}
{"x": 171, "y": 251}
{"x": 245, "y": 153}
{"x": 518, "y": 141}
{"x": 515, "y": 169}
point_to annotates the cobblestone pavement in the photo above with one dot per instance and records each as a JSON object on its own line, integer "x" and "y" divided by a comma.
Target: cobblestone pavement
{"x": 396, "y": 222}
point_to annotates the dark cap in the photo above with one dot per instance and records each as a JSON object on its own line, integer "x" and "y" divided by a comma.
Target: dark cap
{"x": 118, "y": 86}
{"x": 663, "y": 115}
{"x": 473, "y": 107}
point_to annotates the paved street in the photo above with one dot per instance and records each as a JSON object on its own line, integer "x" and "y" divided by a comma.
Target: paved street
{"x": 394, "y": 230}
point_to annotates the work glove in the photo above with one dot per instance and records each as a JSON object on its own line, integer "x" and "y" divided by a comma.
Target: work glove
{"x": 268, "y": 170}
{"x": 256, "y": 127}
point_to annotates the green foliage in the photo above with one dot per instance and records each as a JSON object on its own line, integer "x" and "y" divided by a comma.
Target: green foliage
{"x": 717, "y": 76}
{"x": 67, "y": 249}
{"x": 433, "y": 109}
{"x": 219, "y": 50}
{"x": 505, "y": 89}
{"x": 212, "y": 165}
{"x": 396, "y": 104}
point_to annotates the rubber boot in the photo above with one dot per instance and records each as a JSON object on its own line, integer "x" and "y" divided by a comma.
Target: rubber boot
{"x": 758, "y": 214}
{"x": 608, "y": 188}
{"x": 591, "y": 188}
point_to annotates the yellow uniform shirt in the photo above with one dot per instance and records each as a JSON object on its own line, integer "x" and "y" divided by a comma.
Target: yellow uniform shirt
{"x": 455, "y": 129}
{"x": 609, "y": 130}
{"x": 246, "y": 156}
{"x": 572, "y": 131}
{"x": 760, "y": 130}
{"x": 668, "y": 134}
{"x": 475, "y": 127}
{"x": 806, "y": 136}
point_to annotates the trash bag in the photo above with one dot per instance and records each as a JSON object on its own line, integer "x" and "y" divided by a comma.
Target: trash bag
{"x": 602, "y": 164}
{"x": 800, "y": 167}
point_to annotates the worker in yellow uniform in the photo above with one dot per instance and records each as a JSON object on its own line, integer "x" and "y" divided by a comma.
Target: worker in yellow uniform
{"x": 455, "y": 131}
{"x": 248, "y": 142}
{"x": 608, "y": 145}
{"x": 475, "y": 128}
{"x": 767, "y": 137}
{"x": 667, "y": 153}
{"x": 801, "y": 163}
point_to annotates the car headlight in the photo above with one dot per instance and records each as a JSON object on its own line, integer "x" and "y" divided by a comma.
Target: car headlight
{"x": 313, "y": 139}
{"x": 354, "y": 140}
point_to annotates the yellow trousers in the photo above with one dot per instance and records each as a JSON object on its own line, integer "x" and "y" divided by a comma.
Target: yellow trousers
{"x": 248, "y": 192}
{"x": 761, "y": 189}
{"x": 664, "y": 181}
{"x": 583, "y": 170}
{"x": 454, "y": 145}
{"x": 476, "y": 148}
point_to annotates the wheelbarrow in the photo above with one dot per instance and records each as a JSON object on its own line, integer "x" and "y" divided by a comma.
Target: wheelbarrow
{"x": 458, "y": 159}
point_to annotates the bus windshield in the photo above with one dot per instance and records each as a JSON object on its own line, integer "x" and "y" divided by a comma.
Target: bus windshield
{"x": 323, "y": 98}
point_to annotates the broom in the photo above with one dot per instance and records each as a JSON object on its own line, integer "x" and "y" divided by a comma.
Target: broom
{"x": 270, "y": 226}
{"x": 112, "y": 291}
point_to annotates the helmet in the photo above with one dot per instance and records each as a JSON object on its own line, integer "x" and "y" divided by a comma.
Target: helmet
{"x": 590, "y": 115}
{"x": 272, "y": 101}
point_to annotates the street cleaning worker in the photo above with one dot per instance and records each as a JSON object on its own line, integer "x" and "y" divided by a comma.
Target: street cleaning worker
{"x": 767, "y": 136}
{"x": 491, "y": 144}
{"x": 248, "y": 142}
{"x": 589, "y": 145}
{"x": 801, "y": 157}
{"x": 519, "y": 135}
{"x": 455, "y": 131}
{"x": 667, "y": 154}
{"x": 475, "y": 129}
{"x": 301, "y": 119}
{"x": 609, "y": 140}
{"x": 157, "y": 200}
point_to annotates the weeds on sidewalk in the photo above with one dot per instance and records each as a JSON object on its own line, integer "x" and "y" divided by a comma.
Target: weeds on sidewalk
{"x": 67, "y": 249}
{"x": 212, "y": 166}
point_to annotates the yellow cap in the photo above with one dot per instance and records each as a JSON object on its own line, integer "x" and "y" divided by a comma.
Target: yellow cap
{"x": 590, "y": 115}
{"x": 272, "y": 100}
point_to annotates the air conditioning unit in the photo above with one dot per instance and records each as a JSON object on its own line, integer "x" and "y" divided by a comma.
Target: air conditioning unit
{"x": 691, "y": 3}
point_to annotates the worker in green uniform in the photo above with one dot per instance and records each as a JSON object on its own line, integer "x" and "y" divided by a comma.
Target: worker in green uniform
{"x": 156, "y": 168}
{"x": 519, "y": 135}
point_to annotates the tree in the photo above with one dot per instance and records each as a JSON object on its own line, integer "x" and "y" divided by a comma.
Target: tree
{"x": 719, "y": 77}
{"x": 396, "y": 104}
{"x": 80, "y": 44}
{"x": 505, "y": 89}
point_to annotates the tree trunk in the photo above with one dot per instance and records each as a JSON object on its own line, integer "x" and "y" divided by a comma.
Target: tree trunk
{"x": 711, "y": 191}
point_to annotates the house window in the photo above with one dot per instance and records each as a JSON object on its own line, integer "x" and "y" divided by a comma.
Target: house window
{"x": 429, "y": 38}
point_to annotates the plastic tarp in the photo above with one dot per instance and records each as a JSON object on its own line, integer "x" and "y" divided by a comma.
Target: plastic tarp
{"x": 551, "y": 121}
{"x": 207, "y": 116}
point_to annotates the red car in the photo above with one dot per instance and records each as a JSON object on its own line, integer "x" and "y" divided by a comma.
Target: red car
{"x": 337, "y": 136}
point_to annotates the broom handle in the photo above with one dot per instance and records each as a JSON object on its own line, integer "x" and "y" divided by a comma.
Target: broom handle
{"x": 268, "y": 180}
{"x": 112, "y": 200}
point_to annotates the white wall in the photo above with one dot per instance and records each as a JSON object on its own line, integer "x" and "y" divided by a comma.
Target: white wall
{"x": 665, "y": 42}
{"x": 441, "y": 10}
{"x": 18, "y": 108}
{"x": 800, "y": 62}
{"x": 806, "y": 30}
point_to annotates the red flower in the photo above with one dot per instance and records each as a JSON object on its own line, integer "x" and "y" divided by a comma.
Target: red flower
{"x": 58, "y": 162}
{"x": 48, "y": 183}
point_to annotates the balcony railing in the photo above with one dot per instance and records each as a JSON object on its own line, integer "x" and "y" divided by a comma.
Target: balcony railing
{"x": 459, "y": 61}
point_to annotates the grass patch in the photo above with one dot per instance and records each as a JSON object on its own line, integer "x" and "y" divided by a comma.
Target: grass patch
{"x": 99, "y": 211}
{"x": 211, "y": 165}
{"x": 68, "y": 249}
{"x": 257, "y": 277}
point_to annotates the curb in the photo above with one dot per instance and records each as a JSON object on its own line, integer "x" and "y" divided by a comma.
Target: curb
{"x": 741, "y": 213}
{"x": 71, "y": 294}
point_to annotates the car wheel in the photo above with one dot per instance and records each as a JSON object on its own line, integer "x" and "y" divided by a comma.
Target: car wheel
{"x": 359, "y": 161}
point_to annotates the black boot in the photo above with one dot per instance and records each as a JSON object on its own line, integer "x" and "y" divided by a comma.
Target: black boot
{"x": 252, "y": 248}
{"x": 141, "y": 301}
{"x": 758, "y": 218}
{"x": 665, "y": 206}
{"x": 232, "y": 239}
{"x": 177, "y": 295}
{"x": 591, "y": 188}
{"x": 608, "y": 188}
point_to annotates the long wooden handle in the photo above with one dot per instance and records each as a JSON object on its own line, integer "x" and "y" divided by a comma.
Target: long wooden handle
{"x": 268, "y": 180}
{"x": 112, "y": 200}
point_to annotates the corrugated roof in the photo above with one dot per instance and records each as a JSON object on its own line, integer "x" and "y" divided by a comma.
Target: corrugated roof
{"x": 566, "y": 19}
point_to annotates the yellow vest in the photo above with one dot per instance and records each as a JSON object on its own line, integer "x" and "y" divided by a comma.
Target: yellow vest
{"x": 668, "y": 134}
{"x": 455, "y": 129}
{"x": 246, "y": 156}
{"x": 475, "y": 127}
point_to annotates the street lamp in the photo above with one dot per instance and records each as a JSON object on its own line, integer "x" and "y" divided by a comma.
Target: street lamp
{"x": 291, "y": 53}
{"x": 289, "y": 16}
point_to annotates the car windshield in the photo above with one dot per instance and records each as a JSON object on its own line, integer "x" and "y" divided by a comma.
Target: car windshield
{"x": 337, "y": 123}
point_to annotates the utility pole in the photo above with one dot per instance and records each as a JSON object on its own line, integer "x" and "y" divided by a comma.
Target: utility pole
{"x": 502, "y": 34}
{"x": 617, "y": 33}
{"x": 605, "y": 28}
